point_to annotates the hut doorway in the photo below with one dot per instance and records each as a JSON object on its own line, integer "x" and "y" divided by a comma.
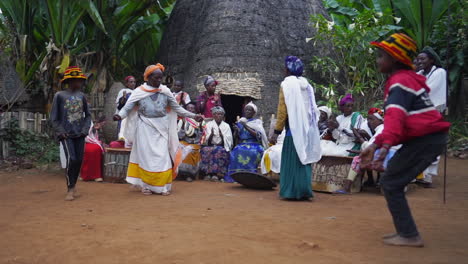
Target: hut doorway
{"x": 233, "y": 106}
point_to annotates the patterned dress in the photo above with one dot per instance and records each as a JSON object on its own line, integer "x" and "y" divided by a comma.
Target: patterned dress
{"x": 247, "y": 154}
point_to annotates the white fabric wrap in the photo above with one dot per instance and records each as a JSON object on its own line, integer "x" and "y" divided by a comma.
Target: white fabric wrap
{"x": 257, "y": 125}
{"x": 303, "y": 118}
{"x": 168, "y": 130}
{"x": 225, "y": 130}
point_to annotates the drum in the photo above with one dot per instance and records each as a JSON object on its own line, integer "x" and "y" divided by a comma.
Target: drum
{"x": 330, "y": 172}
{"x": 116, "y": 164}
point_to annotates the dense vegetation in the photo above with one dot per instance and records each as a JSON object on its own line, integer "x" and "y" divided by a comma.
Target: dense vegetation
{"x": 352, "y": 24}
{"x": 105, "y": 37}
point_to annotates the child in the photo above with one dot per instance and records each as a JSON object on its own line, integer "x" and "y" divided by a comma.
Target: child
{"x": 410, "y": 119}
{"x": 182, "y": 97}
{"x": 71, "y": 121}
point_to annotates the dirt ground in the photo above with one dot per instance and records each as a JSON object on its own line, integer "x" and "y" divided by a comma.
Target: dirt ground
{"x": 220, "y": 223}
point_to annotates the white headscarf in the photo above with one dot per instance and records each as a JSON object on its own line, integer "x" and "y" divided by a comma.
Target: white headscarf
{"x": 254, "y": 107}
{"x": 257, "y": 125}
{"x": 326, "y": 110}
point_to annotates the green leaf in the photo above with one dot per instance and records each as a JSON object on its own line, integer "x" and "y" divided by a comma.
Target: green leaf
{"x": 93, "y": 12}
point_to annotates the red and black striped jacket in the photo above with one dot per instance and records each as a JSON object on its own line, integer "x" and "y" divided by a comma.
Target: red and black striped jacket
{"x": 409, "y": 113}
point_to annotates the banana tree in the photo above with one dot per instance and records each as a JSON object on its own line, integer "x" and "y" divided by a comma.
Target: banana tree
{"x": 134, "y": 31}
{"x": 420, "y": 16}
{"x": 19, "y": 19}
{"x": 417, "y": 17}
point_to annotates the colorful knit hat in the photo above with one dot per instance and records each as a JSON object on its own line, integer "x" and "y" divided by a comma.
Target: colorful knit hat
{"x": 73, "y": 72}
{"x": 399, "y": 46}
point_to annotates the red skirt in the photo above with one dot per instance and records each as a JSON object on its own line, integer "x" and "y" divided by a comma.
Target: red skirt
{"x": 92, "y": 162}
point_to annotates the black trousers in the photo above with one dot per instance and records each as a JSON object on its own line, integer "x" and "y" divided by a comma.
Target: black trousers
{"x": 407, "y": 163}
{"x": 74, "y": 151}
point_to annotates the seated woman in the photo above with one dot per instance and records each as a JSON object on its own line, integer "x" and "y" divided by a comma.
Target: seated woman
{"x": 91, "y": 170}
{"x": 325, "y": 115}
{"x": 249, "y": 132}
{"x": 271, "y": 160}
{"x": 342, "y": 130}
{"x": 375, "y": 120}
{"x": 190, "y": 132}
{"x": 217, "y": 141}
{"x": 123, "y": 95}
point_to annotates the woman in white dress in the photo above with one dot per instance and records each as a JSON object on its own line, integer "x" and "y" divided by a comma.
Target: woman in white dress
{"x": 156, "y": 154}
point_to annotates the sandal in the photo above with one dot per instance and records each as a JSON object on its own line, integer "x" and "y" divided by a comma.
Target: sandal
{"x": 146, "y": 191}
{"x": 166, "y": 193}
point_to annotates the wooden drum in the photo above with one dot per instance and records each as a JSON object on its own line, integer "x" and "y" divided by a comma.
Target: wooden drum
{"x": 116, "y": 164}
{"x": 330, "y": 172}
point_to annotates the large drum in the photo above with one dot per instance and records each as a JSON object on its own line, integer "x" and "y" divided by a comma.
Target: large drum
{"x": 330, "y": 172}
{"x": 116, "y": 164}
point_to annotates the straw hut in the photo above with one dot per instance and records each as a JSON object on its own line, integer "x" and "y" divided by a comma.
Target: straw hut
{"x": 241, "y": 43}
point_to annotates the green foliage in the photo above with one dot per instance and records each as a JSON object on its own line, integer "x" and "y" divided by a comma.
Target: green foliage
{"x": 449, "y": 38}
{"x": 26, "y": 144}
{"x": 108, "y": 38}
{"x": 351, "y": 67}
{"x": 458, "y": 134}
{"x": 417, "y": 17}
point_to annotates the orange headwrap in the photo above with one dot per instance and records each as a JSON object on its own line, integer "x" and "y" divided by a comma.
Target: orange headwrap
{"x": 150, "y": 69}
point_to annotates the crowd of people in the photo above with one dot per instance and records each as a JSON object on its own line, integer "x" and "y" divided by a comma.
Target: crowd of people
{"x": 172, "y": 136}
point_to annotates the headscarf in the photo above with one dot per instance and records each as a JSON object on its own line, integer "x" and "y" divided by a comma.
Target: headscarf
{"x": 430, "y": 52}
{"x": 254, "y": 107}
{"x": 400, "y": 46}
{"x": 128, "y": 78}
{"x": 208, "y": 80}
{"x": 377, "y": 112}
{"x": 73, "y": 72}
{"x": 326, "y": 110}
{"x": 150, "y": 69}
{"x": 348, "y": 98}
{"x": 217, "y": 109}
{"x": 294, "y": 65}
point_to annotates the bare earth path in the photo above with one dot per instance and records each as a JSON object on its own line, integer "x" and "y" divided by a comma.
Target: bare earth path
{"x": 220, "y": 223}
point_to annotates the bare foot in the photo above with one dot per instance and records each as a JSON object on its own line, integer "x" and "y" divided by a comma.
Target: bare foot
{"x": 404, "y": 242}
{"x": 166, "y": 193}
{"x": 75, "y": 193}
{"x": 69, "y": 196}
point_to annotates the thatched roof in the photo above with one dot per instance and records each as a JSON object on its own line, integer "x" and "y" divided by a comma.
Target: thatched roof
{"x": 11, "y": 87}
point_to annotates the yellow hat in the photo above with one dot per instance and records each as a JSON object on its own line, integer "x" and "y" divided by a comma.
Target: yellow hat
{"x": 73, "y": 72}
{"x": 399, "y": 46}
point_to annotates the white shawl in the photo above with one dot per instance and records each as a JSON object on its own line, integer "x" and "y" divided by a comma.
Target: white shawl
{"x": 93, "y": 137}
{"x": 130, "y": 126}
{"x": 225, "y": 129}
{"x": 303, "y": 118}
{"x": 257, "y": 125}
